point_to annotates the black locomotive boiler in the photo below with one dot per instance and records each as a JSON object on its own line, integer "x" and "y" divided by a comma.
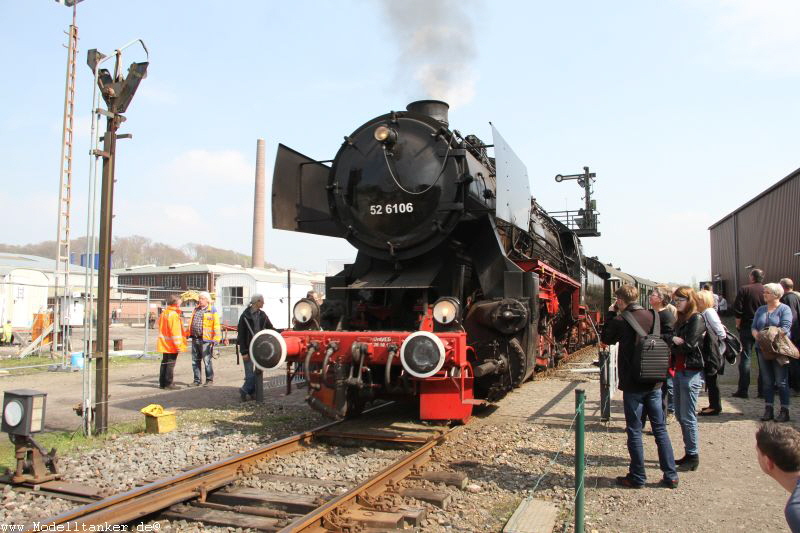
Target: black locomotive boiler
{"x": 462, "y": 285}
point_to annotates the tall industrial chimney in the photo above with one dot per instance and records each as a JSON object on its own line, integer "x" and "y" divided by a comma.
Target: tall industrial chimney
{"x": 258, "y": 208}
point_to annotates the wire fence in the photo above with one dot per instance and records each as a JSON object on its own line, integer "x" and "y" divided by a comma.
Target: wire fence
{"x": 270, "y": 382}
{"x": 575, "y": 433}
{"x": 61, "y": 367}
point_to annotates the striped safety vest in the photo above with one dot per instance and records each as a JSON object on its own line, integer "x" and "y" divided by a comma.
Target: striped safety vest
{"x": 170, "y": 331}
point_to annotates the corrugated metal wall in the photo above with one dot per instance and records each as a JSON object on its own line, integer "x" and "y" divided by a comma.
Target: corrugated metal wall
{"x": 767, "y": 233}
{"x": 723, "y": 258}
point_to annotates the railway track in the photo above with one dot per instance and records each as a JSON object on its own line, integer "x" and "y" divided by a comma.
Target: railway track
{"x": 214, "y": 495}
{"x": 217, "y": 494}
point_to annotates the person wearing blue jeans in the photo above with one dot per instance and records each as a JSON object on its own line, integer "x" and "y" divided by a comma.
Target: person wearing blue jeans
{"x": 204, "y": 331}
{"x": 634, "y": 405}
{"x": 638, "y": 399}
{"x": 659, "y": 299}
{"x": 687, "y": 357}
{"x": 773, "y": 313}
{"x": 688, "y": 384}
{"x": 202, "y": 351}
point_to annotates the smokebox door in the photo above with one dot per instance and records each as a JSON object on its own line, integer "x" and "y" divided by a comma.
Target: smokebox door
{"x": 300, "y": 195}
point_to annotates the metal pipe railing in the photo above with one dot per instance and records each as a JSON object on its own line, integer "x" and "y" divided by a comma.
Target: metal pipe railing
{"x": 580, "y": 459}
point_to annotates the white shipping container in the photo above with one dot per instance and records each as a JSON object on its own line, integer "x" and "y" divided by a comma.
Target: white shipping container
{"x": 23, "y": 292}
{"x": 235, "y": 289}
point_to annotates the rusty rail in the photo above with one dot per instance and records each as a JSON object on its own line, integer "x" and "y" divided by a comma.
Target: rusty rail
{"x": 141, "y": 501}
{"x": 316, "y": 520}
{"x": 198, "y": 482}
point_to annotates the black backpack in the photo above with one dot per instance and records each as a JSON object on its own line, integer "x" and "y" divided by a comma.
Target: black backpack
{"x": 651, "y": 355}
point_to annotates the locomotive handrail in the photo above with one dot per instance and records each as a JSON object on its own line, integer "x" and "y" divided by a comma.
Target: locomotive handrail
{"x": 438, "y": 176}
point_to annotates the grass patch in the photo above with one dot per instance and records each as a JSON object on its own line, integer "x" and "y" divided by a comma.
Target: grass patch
{"x": 503, "y": 511}
{"x": 69, "y": 442}
{"x": 16, "y": 366}
{"x": 123, "y": 360}
{"x": 25, "y": 361}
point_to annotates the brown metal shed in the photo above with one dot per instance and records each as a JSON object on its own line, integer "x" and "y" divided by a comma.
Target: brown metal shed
{"x": 764, "y": 233}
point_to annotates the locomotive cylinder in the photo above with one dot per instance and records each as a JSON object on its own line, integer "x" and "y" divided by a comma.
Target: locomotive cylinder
{"x": 506, "y": 316}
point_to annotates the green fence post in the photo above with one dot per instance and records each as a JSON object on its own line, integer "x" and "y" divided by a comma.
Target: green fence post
{"x": 580, "y": 467}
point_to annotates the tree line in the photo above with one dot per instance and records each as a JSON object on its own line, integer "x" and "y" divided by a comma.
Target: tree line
{"x": 137, "y": 250}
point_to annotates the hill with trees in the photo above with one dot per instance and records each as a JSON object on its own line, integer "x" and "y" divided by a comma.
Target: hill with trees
{"x": 137, "y": 250}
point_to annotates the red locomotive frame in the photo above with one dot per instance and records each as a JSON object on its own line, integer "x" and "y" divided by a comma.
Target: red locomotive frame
{"x": 447, "y": 395}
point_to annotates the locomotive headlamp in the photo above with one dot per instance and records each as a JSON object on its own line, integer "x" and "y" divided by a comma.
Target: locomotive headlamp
{"x": 385, "y": 134}
{"x": 23, "y": 411}
{"x": 305, "y": 311}
{"x": 446, "y": 310}
{"x": 267, "y": 349}
{"x": 422, "y": 354}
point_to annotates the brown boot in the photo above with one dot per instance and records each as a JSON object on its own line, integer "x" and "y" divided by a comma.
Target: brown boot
{"x": 769, "y": 414}
{"x": 783, "y": 416}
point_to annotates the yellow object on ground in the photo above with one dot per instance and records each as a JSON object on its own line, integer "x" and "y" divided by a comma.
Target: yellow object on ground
{"x": 157, "y": 420}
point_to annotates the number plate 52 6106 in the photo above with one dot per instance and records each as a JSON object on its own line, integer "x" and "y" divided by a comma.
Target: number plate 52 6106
{"x": 391, "y": 209}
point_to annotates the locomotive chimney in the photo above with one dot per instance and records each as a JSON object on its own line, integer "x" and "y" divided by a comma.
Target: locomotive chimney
{"x": 258, "y": 208}
{"x": 433, "y": 108}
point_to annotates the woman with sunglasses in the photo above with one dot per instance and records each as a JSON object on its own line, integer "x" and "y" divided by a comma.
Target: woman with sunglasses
{"x": 687, "y": 359}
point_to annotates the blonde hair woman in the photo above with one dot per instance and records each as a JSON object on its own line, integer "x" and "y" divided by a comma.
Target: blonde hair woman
{"x": 713, "y": 349}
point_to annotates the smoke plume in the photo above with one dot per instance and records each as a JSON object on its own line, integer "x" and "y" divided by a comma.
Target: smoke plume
{"x": 437, "y": 47}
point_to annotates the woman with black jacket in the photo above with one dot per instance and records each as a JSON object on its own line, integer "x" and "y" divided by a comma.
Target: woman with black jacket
{"x": 687, "y": 359}
{"x": 713, "y": 348}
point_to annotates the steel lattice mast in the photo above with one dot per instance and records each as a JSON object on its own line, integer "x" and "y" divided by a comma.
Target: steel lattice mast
{"x": 61, "y": 291}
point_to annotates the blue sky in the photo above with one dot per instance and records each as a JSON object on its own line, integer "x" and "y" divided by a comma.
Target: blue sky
{"x": 685, "y": 109}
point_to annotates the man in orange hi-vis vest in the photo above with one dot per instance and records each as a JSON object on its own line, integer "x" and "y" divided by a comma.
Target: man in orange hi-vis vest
{"x": 170, "y": 340}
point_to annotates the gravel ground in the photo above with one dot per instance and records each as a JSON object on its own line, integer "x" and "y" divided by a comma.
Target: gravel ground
{"x": 126, "y": 460}
{"x": 325, "y": 463}
{"x": 529, "y": 453}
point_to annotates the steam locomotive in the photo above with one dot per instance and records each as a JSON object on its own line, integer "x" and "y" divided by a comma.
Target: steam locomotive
{"x": 463, "y": 284}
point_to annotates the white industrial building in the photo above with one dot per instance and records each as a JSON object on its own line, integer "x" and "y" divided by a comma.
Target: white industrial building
{"x": 235, "y": 289}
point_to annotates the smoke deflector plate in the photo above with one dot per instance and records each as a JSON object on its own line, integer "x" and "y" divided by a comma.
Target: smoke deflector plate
{"x": 513, "y": 186}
